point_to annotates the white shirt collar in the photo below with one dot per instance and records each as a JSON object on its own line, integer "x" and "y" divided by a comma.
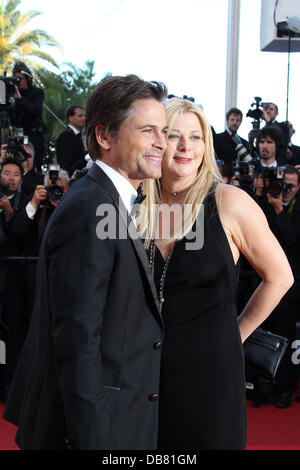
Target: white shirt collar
{"x": 272, "y": 165}
{"x": 76, "y": 131}
{"x": 125, "y": 189}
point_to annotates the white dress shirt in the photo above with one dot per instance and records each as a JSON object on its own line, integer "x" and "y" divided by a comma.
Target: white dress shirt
{"x": 125, "y": 189}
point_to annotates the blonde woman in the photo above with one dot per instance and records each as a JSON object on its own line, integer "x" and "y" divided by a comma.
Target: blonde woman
{"x": 194, "y": 256}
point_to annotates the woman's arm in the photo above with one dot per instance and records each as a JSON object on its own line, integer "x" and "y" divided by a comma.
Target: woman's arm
{"x": 248, "y": 231}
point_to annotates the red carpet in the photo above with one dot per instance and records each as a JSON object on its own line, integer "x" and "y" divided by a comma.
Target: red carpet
{"x": 269, "y": 428}
{"x": 7, "y": 433}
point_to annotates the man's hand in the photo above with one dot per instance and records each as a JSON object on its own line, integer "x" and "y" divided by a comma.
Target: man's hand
{"x": 6, "y": 206}
{"x": 276, "y": 203}
{"x": 3, "y": 152}
{"x": 265, "y": 116}
{"x": 40, "y": 194}
{"x": 17, "y": 94}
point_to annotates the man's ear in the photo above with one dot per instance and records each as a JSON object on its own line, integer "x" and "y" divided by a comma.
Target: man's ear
{"x": 103, "y": 137}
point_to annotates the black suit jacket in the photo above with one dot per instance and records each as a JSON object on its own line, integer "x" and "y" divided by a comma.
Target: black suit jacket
{"x": 70, "y": 151}
{"x": 89, "y": 371}
{"x": 225, "y": 148}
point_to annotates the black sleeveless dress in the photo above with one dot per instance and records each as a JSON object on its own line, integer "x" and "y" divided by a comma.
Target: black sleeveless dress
{"x": 202, "y": 393}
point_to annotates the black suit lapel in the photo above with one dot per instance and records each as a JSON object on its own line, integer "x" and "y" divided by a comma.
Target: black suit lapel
{"x": 101, "y": 178}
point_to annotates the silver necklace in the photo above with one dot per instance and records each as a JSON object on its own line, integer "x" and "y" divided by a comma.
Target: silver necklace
{"x": 164, "y": 273}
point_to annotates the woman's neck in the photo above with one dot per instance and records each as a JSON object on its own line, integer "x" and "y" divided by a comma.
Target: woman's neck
{"x": 174, "y": 192}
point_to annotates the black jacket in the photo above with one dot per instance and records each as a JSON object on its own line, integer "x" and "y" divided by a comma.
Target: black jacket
{"x": 70, "y": 151}
{"x": 29, "y": 110}
{"x": 89, "y": 372}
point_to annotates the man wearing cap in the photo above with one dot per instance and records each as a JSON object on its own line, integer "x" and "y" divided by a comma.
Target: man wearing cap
{"x": 28, "y": 110}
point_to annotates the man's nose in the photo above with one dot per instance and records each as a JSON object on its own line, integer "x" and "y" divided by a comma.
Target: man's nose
{"x": 160, "y": 142}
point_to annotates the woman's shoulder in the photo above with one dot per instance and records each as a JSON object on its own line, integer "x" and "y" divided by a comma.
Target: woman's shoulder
{"x": 231, "y": 197}
{"x": 235, "y": 203}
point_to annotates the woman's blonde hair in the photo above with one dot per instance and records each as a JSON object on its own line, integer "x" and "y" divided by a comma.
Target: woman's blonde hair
{"x": 206, "y": 180}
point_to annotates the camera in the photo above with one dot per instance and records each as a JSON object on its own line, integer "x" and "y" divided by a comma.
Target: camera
{"x": 274, "y": 180}
{"x": 245, "y": 173}
{"x": 15, "y": 145}
{"x": 7, "y": 88}
{"x": 4, "y": 190}
{"x": 256, "y": 113}
{"x": 54, "y": 192}
{"x": 241, "y": 151}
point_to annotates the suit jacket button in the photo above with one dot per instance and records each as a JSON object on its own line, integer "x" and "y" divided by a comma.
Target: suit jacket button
{"x": 157, "y": 345}
{"x": 153, "y": 397}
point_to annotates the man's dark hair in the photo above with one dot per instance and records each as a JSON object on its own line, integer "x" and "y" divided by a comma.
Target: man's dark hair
{"x": 20, "y": 67}
{"x": 71, "y": 110}
{"x": 291, "y": 170}
{"x": 274, "y": 134}
{"x": 233, "y": 111}
{"x": 111, "y": 103}
{"x": 12, "y": 161}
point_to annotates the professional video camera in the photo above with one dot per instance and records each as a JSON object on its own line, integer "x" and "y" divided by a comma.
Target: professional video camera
{"x": 245, "y": 173}
{"x": 4, "y": 190}
{"x": 273, "y": 179}
{"x": 54, "y": 192}
{"x": 256, "y": 113}
{"x": 7, "y": 88}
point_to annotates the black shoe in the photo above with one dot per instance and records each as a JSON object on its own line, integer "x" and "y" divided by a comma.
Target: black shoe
{"x": 284, "y": 399}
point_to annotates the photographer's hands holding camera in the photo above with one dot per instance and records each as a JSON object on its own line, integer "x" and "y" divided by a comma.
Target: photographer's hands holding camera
{"x": 276, "y": 203}
{"x": 40, "y": 194}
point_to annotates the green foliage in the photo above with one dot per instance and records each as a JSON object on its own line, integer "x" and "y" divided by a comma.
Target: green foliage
{"x": 18, "y": 41}
{"x": 72, "y": 86}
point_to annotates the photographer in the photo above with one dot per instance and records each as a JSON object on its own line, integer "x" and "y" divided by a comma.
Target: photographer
{"x": 278, "y": 198}
{"x": 17, "y": 298}
{"x": 25, "y": 154}
{"x": 228, "y": 144}
{"x": 32, "y": 176}
{"x": 28, "y": 110}
{"x": 269, "y": 114}
{"x": 23, "y": 221}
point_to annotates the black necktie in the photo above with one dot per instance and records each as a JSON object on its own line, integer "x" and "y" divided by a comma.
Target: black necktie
{"x": 138, "y": 200}
{"x": 140, "y": 195}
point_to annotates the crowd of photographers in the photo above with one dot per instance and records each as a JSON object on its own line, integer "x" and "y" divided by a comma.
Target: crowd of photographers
{"x": 265, "y": 165}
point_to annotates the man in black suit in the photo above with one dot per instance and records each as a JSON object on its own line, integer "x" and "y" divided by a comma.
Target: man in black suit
{"x": 70, "y": 149}
{"x": 293, "y": 151}
{"x": 228, "y": 144}
{"x": 88, "y": 377}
